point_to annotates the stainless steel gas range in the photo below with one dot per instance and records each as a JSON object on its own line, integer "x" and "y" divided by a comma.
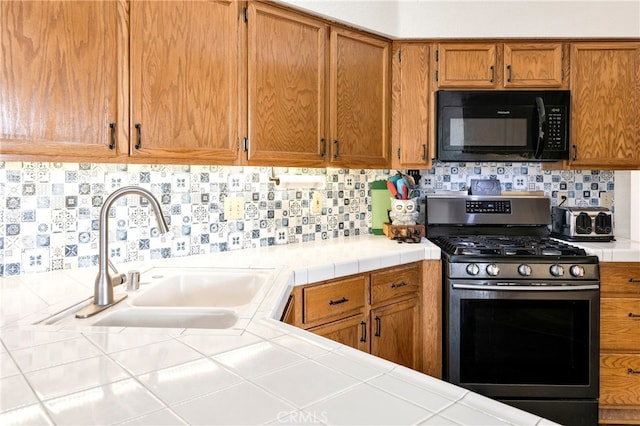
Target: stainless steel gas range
{"x": 521, "y": 310}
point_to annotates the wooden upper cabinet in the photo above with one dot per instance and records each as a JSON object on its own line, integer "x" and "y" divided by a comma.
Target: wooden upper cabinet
{"x": 500, "y": 65}
{"x": 533, "y": 65}
{"x": 184, "y": 75}
{"x": 605, "y": 105}
{"x": 411, "y": 147}
{"x": 467, "y": 65}
{"x": 59, "y": 79}
{"x": 286, "y": 77}
{"x": 359, "y": 100}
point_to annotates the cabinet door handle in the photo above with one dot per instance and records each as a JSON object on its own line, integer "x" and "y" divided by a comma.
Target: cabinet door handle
{"x": 378, "y": 326}
{"x": 492, "y": 68}
{"x": 632, "y": 315}
{"x": 509, "y": 73}
{"x": 112, "y": 126}
{"x": 424, "y": 152}
{"x": 633, "y": 280}
{"x": 575, "y": 153}
{"x": 400, "y": 284}
{"x": 632, "y": 371}
{"x": 336, "y": 143}
{"x": 323, "y": 152}
{"x": 138, "y": 127}
{"x": 364, "y": 331}
{"x": 337, "y": 302}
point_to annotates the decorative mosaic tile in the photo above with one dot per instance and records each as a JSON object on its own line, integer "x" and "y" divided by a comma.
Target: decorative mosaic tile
{"x": 49, "y": 212}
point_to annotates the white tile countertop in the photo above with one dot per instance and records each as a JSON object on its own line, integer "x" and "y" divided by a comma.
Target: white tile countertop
{"x": 259, "y": 372}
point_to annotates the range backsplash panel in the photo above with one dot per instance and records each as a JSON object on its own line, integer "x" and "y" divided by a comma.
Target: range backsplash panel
{"x": 49, "y": 211}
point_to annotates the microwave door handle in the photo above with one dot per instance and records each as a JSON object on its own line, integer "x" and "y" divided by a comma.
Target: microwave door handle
{"x": 542, "y": 119}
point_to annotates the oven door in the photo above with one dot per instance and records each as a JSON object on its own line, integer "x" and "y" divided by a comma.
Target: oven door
{"x": 523, "y": 341}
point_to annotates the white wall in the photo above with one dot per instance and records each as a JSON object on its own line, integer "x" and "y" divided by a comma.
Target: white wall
{"x": 481, "y": 18}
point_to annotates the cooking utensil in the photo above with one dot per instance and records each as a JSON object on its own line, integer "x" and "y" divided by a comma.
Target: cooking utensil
{"x": 403, "y": 189}
{"x": 392, "y": 189}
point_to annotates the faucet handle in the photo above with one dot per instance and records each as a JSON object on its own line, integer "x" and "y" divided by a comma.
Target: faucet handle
{"x": 118, "y": 279}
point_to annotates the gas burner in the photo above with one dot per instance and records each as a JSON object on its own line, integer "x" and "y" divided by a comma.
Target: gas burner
{"x": 505, "y": 246}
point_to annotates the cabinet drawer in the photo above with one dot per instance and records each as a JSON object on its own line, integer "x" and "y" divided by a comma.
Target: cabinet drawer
{"x": 619, "y": 379}
{"x": 333, "y": 299}
{"x": 394, "y": 282}
{"x": 620, "y": 278}
{"x": 620, "y": 324}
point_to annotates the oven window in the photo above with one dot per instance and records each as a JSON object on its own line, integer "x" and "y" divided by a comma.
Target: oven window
{"x": 524, "y": 342}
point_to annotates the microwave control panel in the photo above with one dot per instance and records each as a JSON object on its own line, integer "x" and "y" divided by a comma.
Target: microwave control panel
{"x": 556, "y": 126}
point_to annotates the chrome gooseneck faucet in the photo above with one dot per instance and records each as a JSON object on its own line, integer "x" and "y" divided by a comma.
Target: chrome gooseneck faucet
{"x": 103, "y": 290}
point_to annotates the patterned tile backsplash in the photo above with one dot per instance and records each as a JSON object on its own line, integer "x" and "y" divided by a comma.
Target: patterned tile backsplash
{"x": 49, "y": 212}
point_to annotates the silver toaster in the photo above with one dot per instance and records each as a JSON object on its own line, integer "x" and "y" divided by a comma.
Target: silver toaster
{"x": 582, "y": 223}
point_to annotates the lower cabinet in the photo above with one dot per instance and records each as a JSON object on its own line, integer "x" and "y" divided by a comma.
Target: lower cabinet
{"x": 620, "y": 343}
{"x": 350, "y": 331}
{"x": 396, "y": 332}
{"x": 381, "y": 312}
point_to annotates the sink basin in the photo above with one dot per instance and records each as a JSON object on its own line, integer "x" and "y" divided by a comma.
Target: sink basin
{"x": 182, "y": 297}
{"x": 169, "y": 318}
{"x": 206, "y": 287}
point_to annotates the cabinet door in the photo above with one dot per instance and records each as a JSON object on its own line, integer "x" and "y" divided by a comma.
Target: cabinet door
{"x": 605, "y": 105}
{"x": 533, "y": 65}
{"x": 359, "y": 100}
{"x": 59, "y": 79}
{"x": 467, "y": 65}
{"x": 620, "y": 381}
{"x": 184, "y": 69}
{"x": 395, "y": 333}
{"x": 286, "y": 88}
{"x": 411, "y": 107}
{"x": 620, "y": 324}
{"x": 350, "y": 331}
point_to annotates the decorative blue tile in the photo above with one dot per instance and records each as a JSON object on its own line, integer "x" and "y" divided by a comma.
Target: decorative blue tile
{"x": 66, "y": 199}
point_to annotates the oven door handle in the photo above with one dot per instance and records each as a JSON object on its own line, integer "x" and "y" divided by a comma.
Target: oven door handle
{"x": 525, "y": 287}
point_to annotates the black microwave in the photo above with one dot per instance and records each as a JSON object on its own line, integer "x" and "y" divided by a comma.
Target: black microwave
{"x": 503, "y": 125}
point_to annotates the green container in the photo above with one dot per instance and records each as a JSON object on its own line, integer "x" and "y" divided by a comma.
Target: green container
{"x": 380, "y": 205}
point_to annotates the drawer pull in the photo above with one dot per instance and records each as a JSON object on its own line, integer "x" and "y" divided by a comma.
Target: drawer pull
{"x": 378, "y": 326}
{"x": 633, "y": 280}
{"x": 337, "y": 302}
{"x": 632, "y": 371}
{"x": 364, "y": 331}
{"x": 632, "y": 315}
{"x": 400, "y": 284}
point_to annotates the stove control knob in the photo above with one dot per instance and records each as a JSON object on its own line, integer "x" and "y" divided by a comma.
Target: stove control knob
{"x": 556, "y": 270}
{"x": 577, "y": 271}
{"x": 473, "y": 269}
{"x": 524, "y": 270}
{"x": 493, "y": 269}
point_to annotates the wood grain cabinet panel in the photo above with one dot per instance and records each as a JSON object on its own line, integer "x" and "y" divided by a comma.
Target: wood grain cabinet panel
{"x": 395, "y": 332}
{"x": 334, "y": 299}
{"x": 359, "y": 99}
{"x": 605, "y": 105}
{"x": 411, "y": 126}
{"x": 620, "y": 343}
{"x": 59, "y": 65}
{"x": 287, "y": 88}
{"x": 500, "y": 65}
{"x": 184, "y": 76}
{"x": 350, "y": 331}
{"x": 467, "y": 65}
{"x": 533, "y": 65}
